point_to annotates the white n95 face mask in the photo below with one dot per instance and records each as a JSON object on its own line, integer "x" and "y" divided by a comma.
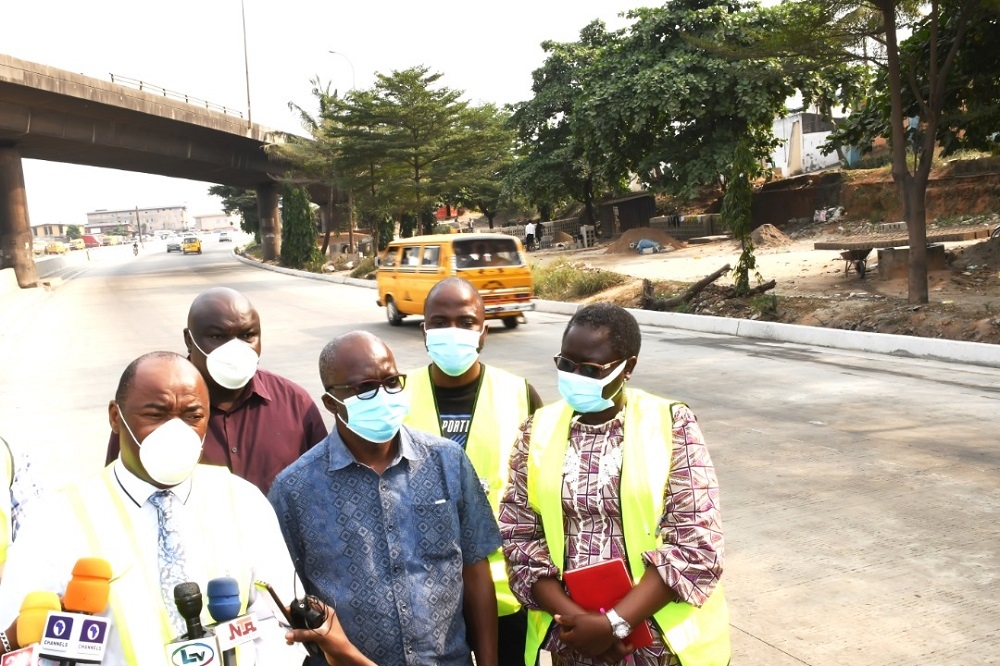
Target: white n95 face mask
{"x": 170, "y": 453}
{"x": 232, "y": 365}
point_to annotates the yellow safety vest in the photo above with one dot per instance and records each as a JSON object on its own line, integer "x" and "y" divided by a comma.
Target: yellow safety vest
{"x": 140, "y": 616}
{"x": 501, "y": 407}
{"x": 698, "y": 636}
{"x": 8, "y": 481}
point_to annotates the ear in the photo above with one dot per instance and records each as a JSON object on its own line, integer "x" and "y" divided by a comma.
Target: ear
{"x": 482, "y": 338}
{"x": 630, "y": 367}
{"x": 187, "y": 340}
{"x": 330, "y": 404}
{"x": 423, "y": 332}
{"x": 114, "y": 417}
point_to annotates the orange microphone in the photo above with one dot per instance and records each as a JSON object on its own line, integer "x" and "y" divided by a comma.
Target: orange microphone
{"x": 89, "y": 588}
{"x": 78, "y": 634}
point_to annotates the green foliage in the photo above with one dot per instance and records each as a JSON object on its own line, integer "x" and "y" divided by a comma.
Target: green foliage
{"x": 561, "y": 156}
{"x": 298, "y": 229}
{"x": 73, "y": 232}
{"x": 242, "y": 201}
{"x": 970, "y": 106}
{"x": 562, "y": 280}
{"x": 736, "y": 214}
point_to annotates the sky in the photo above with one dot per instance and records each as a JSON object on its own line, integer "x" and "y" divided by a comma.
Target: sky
{"x": 195, "y": 47}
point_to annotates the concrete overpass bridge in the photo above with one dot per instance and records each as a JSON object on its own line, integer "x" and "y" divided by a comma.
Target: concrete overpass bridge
{"x": 55, "y": 115}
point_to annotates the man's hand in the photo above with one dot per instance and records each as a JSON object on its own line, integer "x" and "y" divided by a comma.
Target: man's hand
{"x": 331, "y": 639}
{"x": 590, "y": 634}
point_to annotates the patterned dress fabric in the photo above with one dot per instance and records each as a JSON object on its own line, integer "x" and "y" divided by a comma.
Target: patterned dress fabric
{"x": 172, "y": 558}
{"x": 690, "y": 559}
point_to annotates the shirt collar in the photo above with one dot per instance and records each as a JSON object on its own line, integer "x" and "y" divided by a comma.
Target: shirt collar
{"x": 139, "y": 491}
{"x": 341, "y": 456}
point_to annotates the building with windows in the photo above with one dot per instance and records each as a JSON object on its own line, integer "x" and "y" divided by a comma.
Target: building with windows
{"x": 50, "y": 230}
{"x": 133, "y": 220}
{"x": 216, "y": 221}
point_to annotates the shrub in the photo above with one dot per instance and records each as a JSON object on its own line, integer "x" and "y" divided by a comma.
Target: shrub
{"x": 562, "y": 280}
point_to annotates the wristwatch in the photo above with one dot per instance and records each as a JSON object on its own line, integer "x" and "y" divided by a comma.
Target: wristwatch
{"x": 619, "y": 627}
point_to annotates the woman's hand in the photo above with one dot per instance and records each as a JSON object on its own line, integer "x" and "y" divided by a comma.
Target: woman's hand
{"x": 590, "y": 634}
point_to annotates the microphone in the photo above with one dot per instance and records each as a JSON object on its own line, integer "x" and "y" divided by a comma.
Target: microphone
{"x": 230, "y": 629}
{"x": 196, "y": 647}
{"x": 30, "y": 626}
{"x": 77, "y": 634}
{"x": 187, "y": 596}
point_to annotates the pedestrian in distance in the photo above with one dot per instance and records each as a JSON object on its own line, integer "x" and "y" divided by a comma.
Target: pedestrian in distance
{"x": 610, "y": 472}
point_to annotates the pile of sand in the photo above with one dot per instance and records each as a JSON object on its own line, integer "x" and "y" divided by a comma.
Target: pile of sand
{"x": 562, "y": 237}
{"x": 633, "y": 236}
{"x": 984, "y": 255}
{"x": 768, "y": 235}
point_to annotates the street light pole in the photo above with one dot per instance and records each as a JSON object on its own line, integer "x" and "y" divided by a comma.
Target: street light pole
{"x": 350, "y": 197}
{"x": 344, "y": 56}
{"x": 246, "y": 61}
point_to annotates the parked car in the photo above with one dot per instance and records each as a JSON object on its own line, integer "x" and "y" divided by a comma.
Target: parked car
{"x": 191, "y": 245}
{"x": 92, "y": 240}
{"x": 55, "y": 247}
{"x": 76, "y": 244}
{"x": 224, "y": 237}
{"x": 173, "y": 244}
{"x": 494, "y": 263}
{"x": 38, "y": 246}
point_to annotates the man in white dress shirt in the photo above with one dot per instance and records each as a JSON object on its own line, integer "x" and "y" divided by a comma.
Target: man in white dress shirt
{"x": 216, "y": 525}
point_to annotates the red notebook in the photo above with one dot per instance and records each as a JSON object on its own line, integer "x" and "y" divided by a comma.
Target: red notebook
{"x": 598, "y": 587}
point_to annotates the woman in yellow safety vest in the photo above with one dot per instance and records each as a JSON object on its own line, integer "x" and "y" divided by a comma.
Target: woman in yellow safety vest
{"x": 595, "y": 477}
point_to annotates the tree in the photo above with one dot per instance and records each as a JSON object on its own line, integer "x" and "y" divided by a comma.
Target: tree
{"x": 671, "y": 97}
{"x": 945, "y": 23}
{"x": 298, "y": 229}
{"x": 560, "y": 157}
{"x": 483, "y": 163}
{"x": 243, "y": 202}
{"x": 73, "y": 232}
{"x": 736, "y": 213}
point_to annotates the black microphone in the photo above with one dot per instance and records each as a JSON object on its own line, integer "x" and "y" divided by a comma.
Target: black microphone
{"x": 187, "y": 596}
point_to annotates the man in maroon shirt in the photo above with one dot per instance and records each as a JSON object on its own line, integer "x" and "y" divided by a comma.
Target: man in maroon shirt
{"x": 260, "y": 422}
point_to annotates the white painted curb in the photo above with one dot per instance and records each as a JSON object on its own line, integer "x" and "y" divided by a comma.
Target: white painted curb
{"x": 956, "y": 351}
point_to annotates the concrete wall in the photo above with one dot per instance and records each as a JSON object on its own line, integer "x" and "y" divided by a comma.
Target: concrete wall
{"x": 684, "y": 227}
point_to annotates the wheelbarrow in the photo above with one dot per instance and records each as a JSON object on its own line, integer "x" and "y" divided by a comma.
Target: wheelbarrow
{"x": 856, "y": 259}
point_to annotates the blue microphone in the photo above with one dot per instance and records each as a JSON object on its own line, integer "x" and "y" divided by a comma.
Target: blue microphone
{"x": 224, "y": 607}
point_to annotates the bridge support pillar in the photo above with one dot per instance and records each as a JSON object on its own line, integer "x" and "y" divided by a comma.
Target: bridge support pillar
{"x": 270, "y": 221}
{"x": 15, "y": 230}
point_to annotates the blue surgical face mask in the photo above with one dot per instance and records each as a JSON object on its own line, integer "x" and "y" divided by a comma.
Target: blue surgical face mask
{"x": 585, "y": 394}
{"x": 453, "y": 349}
{"x": 378, "y": 419}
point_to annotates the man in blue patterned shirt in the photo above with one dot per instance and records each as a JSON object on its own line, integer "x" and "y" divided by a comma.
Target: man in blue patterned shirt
{"x": 390, "y": 525}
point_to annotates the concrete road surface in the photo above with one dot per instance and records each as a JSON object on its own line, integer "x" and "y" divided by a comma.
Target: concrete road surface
{"x": 860, "y": 493}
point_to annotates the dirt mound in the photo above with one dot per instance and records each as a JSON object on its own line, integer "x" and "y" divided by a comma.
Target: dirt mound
{"x": 633, "y": 236}
{"x": 768, "y": 235}
{"x": 985, "y": 255}
{"x": 562, "y": 237}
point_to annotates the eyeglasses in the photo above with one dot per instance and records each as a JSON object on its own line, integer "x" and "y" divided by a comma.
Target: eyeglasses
{"x": 366, "y": 390}
{"x": 592, "y": 370}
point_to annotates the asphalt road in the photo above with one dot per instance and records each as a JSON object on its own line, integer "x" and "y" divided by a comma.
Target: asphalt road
{"x": 860, "y": 493}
